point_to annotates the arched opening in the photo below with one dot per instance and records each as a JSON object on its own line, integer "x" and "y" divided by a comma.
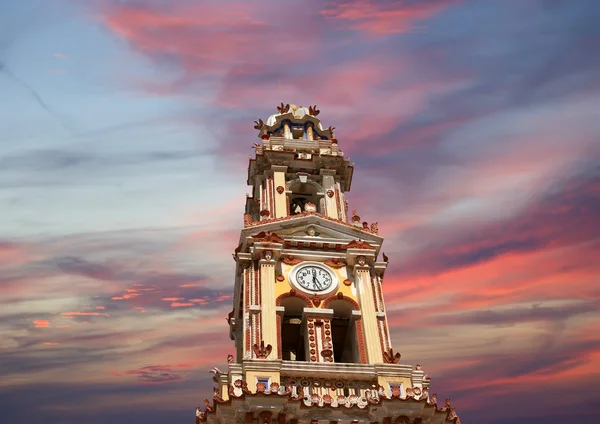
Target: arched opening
{"x": 304, "y": 197}
{"x": 292, "y": 338}
{"x": 343, "y": 333}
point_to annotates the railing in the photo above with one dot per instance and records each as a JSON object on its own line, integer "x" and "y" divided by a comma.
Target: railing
{"x": 318, "y": 146}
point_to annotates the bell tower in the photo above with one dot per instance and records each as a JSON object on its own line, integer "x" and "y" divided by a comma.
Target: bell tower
{"x": 308, "y": 320}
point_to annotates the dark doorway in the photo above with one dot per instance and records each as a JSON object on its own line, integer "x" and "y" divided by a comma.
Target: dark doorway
{"x": 292, "y": 336}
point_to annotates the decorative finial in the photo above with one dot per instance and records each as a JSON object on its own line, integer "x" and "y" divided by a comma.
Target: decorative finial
{"x": 312, "y": 110}
{"x": 283, "y": 108}
{"x": 259, "y": 124}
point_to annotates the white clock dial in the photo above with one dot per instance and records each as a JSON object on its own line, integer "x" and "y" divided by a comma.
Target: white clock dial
{"x": 314, "y": 278}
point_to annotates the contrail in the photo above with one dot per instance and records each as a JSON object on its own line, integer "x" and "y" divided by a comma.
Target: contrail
{"x": 33, "y": 93}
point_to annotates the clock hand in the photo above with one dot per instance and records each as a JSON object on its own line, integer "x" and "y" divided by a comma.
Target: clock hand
{"x": 317, "y": 283}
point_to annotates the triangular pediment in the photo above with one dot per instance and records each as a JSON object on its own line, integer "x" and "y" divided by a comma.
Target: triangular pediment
{"x": 313, "y": 228}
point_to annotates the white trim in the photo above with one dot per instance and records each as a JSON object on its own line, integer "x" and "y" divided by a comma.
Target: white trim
{"x": 335, "y": 282}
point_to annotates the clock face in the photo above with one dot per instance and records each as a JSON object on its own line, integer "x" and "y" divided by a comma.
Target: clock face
{"x": 314, "y": 278}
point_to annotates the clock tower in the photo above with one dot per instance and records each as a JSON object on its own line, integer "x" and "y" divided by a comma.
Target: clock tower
{"x": 308, "y": 320}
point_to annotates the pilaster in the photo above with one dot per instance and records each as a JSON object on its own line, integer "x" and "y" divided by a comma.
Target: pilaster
{"x": 331, "y": 197}
{"x": 268, "y": 307}
{"x": 279, "y": 191}
{"x": 369, "y": 316}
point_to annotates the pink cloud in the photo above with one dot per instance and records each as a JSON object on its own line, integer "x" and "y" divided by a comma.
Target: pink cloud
{"x": 74, "y": 314}
{"x": 181, "y": 304}
{"x": 210, "y": 39}
{"x": 385, "y": 18}
{"x": 189, "y": 285}
{"x": 41, "y": 323}
{"x": 60, "y": 55}
{"x": 14, "y": 253}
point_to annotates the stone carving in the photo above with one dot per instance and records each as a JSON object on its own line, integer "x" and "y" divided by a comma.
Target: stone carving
{"x": 247, "y": 220}
{"x": 327, "y": 352}
{"x": 433, "y": 400}
{"x": 267, "y": 237}
{"x": 390, "y": 358}
{"x": 385, "y": 257}
{"x": 374, "y": 228}
{"x": 311, "y": 232}
{"x": 280, "y": 278}
{"x": 335, "y": 263}
{"x": 283, "y": 108}
{"x": 259, "y": 124}
{"x": 355, "y": 218}
{"x": 216, "y": 374}
{"x": 359, "y": 244}
{"x": 265, "y": 213}
{"x": 262, "y": 351}
{"x": 312, "y": 110}
{"x": 280, "y": 189}
{"x": 361, "y": 260}
{"x": 230, "y": 359}
{"x": 268, "y": 255}
{"x": 216, "y": 396}
{"x": 274, "y": 387}
{"x": 207, "y": 406}
{"x": 347, "y": 282}
{"x": 290, "y": 260}
{"x": 330, "y": 193}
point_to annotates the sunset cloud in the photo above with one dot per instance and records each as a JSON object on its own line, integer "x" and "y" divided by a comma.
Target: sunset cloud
{"x": 386, "y": 17}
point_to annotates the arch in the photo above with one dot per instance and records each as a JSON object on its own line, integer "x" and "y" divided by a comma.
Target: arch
{"x": 318, "y": 187}
{"x": 294, "y": 293}
{"x": 340, "y": 296}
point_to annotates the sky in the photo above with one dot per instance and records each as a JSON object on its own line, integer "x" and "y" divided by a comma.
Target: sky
{"x": 125, "y": 131}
